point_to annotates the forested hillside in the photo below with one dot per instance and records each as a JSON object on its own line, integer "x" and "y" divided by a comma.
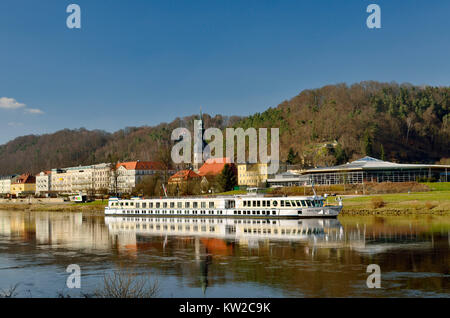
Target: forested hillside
{"x": 324, "y": 126}
{"x": 81, "y": 147}
{"x": 337, "y": 123}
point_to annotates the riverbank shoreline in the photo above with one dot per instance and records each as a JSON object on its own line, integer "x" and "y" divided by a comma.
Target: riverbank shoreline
{"x": 54, "y": 207}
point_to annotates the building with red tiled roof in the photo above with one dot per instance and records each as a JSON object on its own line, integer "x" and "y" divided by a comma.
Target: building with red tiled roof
{"x": 214, "y": 166}
{"x": 141, "y": 165}
{"x": 129, "y": 174}
{"x": 25, "y": 183}
{"x": 183, "y": 176}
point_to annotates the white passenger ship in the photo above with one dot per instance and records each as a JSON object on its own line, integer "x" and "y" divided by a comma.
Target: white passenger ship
{"x": 227, "y": 206}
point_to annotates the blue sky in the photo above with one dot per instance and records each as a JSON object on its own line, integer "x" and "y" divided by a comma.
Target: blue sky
{"x": 142, "y": 62}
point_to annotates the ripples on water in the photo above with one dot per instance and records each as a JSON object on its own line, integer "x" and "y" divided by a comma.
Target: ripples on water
{"x": 228, "y": 257}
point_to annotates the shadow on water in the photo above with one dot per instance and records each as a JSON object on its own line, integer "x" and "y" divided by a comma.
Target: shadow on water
{"x": 219, "y": 257}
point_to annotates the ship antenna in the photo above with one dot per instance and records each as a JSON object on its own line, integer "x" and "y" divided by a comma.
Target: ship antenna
{"x": 312, "y": 186}
{"x": 164, "y": 188}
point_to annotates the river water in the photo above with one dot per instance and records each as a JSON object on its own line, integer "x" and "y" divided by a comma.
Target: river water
{"x": 208, "y": 257}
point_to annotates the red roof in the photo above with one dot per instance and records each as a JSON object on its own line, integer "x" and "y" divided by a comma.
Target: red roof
{"x": 25, "y": 178}
{"x": 183, "y": 175}
{"x": 213, "y": 166}
{"x": 141, "y": 165}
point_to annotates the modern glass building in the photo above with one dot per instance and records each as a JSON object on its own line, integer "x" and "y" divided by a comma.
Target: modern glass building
{"x": 369, "y": 169}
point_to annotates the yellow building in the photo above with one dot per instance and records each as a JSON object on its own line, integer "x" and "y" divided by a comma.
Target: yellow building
{"x": 25, "y": 184}
{"x": 252, "y": 174}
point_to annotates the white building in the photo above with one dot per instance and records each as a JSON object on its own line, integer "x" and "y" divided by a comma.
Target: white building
{"x": 84, "y": 179}
{"x": 43, "y": 183}
{"x": 129, "y": 174}
{"x": 5, "y": 184}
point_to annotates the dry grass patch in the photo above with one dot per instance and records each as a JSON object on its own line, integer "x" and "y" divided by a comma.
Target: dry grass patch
{"x": 377, "y": 202}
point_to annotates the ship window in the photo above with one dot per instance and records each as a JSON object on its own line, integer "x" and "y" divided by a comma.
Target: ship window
{"x": 138, "y": 205}
{"x": 164, "y": 204}
{"x": 179, "y": 205}
{"x": 254, "y": 203}
{"x": 172, "y": 204}
{"x": 195, "y": 205}
{"x": 298, "y": 203}
{"x": 211, "y": 205}
{"x": 282, "y": 203}
{"x": 158, "y": 205}
{"x": 126, "y": 203}
{"x": 144, "y": 205}
{"x": 150, "y": 205}
{"x": 288, "y": 203}
{"x": 293, "y": 203}
{"x": 258, "y": 203}
{"x": 203, "y": 204}
{"x": 264, "y": 203}
{"x": 245, "y": 203}
{"x": 274, "y": 203}
{"x": 187, "y": 204}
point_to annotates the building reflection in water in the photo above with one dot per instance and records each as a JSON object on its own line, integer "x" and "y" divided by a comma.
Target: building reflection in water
{"x": 220, "y": 236}
{"x": 300, "y": 256}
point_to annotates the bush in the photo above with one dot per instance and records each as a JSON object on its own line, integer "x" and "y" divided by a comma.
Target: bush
{"x": 429, "y": 205}
{"x": 377, "y": 202}
{"x": 127, "y": 284}
{"x": 395, "y": 187}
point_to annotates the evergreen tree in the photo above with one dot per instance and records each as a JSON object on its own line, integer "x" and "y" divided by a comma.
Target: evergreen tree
{"x": 227, "y": 179}
{"x": 341, "y": 156}
{"x": 367, "y": 143}
{"x": 383, "y": 156}
{"x": 292, "y": 157}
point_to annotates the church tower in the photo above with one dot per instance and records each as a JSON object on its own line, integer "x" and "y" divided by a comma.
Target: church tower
{"x": 199, "y": 143}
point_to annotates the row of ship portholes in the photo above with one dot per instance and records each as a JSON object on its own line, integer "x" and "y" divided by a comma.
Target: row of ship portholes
{"x": 254, "y": 212}
{"x": 195, "y": 212}
{"x": 201, "y": 212}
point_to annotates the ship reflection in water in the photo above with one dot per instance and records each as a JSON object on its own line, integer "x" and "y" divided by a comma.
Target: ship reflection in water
{"x": 226, "y": 257}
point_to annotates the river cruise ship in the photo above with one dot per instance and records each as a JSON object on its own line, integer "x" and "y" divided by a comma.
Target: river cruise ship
{"x": 227, "y": 206}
